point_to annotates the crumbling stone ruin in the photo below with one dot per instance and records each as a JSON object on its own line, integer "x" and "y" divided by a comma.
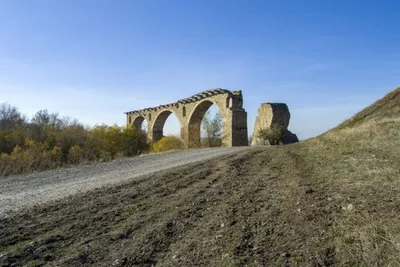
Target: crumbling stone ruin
{"x": 268, "y": 115}
{"x": 190, "y": 112}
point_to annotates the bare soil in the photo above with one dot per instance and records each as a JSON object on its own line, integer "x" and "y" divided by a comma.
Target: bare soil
{"x": 27, "y": 190}
{"x": 227, "y": 212}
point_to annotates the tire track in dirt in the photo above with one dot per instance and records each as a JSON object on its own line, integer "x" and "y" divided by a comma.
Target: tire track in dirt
{"x": 179, "y": 217}
{"x": 237, "y": 211}
{"x": 26, "y": 190}
{"x": 103, "y": 211}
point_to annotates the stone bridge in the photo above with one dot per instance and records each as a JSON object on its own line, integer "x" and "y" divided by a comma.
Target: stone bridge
{"x": 190, "y": 112}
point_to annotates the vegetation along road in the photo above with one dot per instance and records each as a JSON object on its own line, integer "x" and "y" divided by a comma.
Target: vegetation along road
{"x": 27, "y": 190}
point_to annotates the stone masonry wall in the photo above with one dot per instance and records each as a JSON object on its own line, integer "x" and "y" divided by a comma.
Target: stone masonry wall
{"x": 268, "y": 115}
{"x": 190, "y": 112}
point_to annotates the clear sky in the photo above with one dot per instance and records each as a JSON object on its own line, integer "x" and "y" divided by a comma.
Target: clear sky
{"x": 95, "y": 59}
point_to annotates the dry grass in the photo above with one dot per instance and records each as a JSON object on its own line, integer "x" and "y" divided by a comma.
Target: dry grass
{"x": 387, "y": 107}
{"x": 362, "y": 165}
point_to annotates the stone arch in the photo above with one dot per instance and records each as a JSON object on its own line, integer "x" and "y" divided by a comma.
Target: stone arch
{"x": 159, "y": 122}
{"x": 190, "y": 111}
{"x": 138, "y": 122}
{"x": 197, "y": 117}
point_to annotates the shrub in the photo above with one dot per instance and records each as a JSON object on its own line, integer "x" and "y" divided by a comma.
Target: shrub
{"x": 211, "y": 142}
{"x": 33, "y": 156}
{"x": 134, "y": 142}
{"x": 75, "y": 154}
{"x": 48, "y": 141}
{"x": 56, "y": 155}
{"x": 71, "y": 135}
{"x": 168, "y": 143}
{"x": 96, "y": 144}
{"x": 105, "y": 155}
{"x": 114, "y": 140}
{"x": 107, "y": 143}
{"x": 5, "y": 164}
{"x": 273, "y": 135}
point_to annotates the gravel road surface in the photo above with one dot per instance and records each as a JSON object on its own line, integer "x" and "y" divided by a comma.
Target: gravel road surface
{"x": 24, "y": 191}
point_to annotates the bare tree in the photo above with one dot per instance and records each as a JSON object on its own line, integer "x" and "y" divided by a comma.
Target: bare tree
{"x": 212, "y": 129}
{"x": 44, "y": 124}
{"x": 10, "y": 117}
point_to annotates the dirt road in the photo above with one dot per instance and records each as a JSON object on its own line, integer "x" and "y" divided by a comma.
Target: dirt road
{"x": 235, "y": 211}
{"x": 22, "y": 191}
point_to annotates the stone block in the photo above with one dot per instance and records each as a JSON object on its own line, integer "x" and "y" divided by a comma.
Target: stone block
{"x": 270, "y": 114}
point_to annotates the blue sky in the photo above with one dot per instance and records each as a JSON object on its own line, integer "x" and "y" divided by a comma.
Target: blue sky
{"x": 95, "y": 59}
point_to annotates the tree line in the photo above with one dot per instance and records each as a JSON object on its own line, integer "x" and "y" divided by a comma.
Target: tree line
{"x": 48, "y": 141}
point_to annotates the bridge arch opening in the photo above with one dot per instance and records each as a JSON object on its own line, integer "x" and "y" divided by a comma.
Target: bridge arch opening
{"x": 190, "y": 113}
{"x": 166, "y": 124}
{"x": 140, "y": 123}
{"x": 206, "y": 125}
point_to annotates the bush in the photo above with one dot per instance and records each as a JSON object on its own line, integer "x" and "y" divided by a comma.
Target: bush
{"x": 56, "y": 155}
{"x": 47, "y": 141}
{"x": 32, "y": 156}
{"x": 211, "y": 142}
{"x": 75, "y": 154}
{"x": 105, "y": 155}
{"x": 106, "y": 143}
{"x": 273, "y": 135}
{"x": 71, "y": 135}
{"x": 5, "y": 164}
{"x": 134, "y": 142}
{"x": 168, "y": 143}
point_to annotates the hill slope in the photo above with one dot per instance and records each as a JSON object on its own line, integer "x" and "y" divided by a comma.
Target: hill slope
{"x": 388, "y": 107}
{"x": 330, "y": 201}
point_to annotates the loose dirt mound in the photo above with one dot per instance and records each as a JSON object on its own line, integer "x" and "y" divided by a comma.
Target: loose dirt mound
{"x": 329, "y": 201}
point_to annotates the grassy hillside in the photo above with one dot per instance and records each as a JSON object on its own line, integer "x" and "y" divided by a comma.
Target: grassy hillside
{"x": 333, "y": 200}
{"x": 359, "y": 162}
{"x": 386, "y": 108}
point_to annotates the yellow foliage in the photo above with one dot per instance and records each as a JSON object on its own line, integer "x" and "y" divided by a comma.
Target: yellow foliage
{"x": 32, "y": 156}
{"x": 17, "y": 149}
{"x": 48, "y": 142}
{"x": 168, "y": 143}
{"x": 56, "y": 154}
{"x": 75, "y": 154}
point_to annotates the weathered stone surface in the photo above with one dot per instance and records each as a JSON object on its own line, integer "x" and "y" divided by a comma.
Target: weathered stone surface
{"x": 190, "y": 112}
{"x": 268, "y": 115}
